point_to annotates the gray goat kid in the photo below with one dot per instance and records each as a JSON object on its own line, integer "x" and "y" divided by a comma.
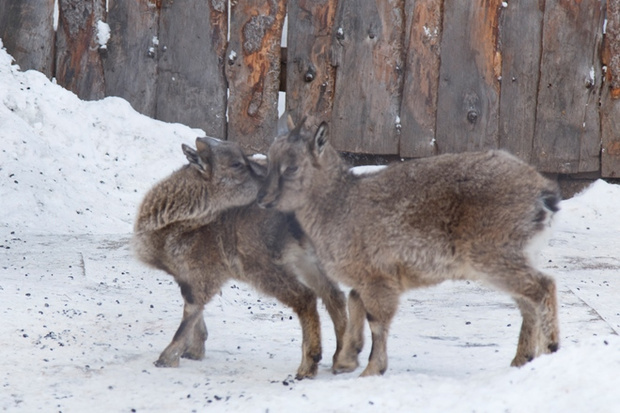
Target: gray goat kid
{"x": 470, "y": 216}
{"x": 202, "y": 226}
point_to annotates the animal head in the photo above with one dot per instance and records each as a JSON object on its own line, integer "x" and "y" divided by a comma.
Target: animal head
{"x": 233, "y": 179}
{"x": 294, "y": 158}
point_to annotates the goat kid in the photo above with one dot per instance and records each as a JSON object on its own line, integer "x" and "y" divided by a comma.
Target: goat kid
{"x": 470, "y": 216}
{"x": 201, "y": 225}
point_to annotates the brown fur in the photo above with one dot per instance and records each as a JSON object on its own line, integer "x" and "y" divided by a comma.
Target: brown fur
{"x": 417, "y": 223}
{"x": 201, "y": 226}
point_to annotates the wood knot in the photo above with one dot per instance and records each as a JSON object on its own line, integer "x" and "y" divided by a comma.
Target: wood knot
{"x": 472, "y": 117}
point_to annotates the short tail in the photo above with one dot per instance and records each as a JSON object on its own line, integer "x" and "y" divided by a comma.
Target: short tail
{"x": 551, "y": 200}
{"x": 549, "y": 204}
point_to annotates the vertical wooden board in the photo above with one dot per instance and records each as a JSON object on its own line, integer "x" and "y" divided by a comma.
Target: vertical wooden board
{"x": 253, "y": 72}
{"x": 191, "y": 87}
{"x": 468, "y": 96}
{"x": 610, "y": 97}
{"x": 418, "y": 109}
{"x": 310, "y": 76}
{"x": 521, "y": 42}
{"x": 130, "y": 65}
{"x": 27, "y": 32}
{"x": 567, "y": 137}
{"x": 78, "y": 60}
{"x": 367, "y": 52}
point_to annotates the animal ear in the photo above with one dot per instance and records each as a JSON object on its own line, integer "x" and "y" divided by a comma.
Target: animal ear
{"x": 320, "y": 137}
{"x": 190, "y": 154}
{"x": 285, "y": 124}
{"x": 295, "y": 134}
{"x": 199, "y": 158}
{"x": 289, "y": 122}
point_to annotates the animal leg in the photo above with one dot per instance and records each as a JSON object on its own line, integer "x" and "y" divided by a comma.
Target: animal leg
{"x": 535, "y": 294}
{"x": 185, "y": 337}
{"x": 302, "y": 300}
{"x": 353, "y": 342}
{"x": 381, "y": 303}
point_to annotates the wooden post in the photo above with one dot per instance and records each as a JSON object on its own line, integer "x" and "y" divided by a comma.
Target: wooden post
{"x": 191, "y": 88}
{"x": 78, "y": 62}
{"x": 418, "y": 110}
{"x": 610, "y": 96}
{"x": 568, "y": 130}
{"x": 520, "y": 39}
{"x": 253, "y": 72}
{"x": 27, "y": 32}
{"x": 310, "y": 76}
{"x": 130, "y": 65}
{"x": 368, "y": 55}
{"x": 468, "y": 97}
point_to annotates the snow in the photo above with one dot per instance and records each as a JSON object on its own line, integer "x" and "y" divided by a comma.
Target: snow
{"x": 103, "y": 34}
{"x": 82, "y": 321}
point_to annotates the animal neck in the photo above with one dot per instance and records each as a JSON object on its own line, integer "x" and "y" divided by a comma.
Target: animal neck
{"x": 330, "y": 186}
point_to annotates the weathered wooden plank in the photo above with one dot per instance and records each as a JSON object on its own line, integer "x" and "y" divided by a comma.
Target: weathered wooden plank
{"x": 610, "y": 96}
{"x": 418, "y": 110}
{"x": 367, "y": 52}
{"x": 310, "y": 77}
{"x": 253, "y": 70}
{"x": 520, "y": 40}
{"x": 27, "y": 32}
{"x": 567, "y": 138}
{"x": 468, "y": 97}
{"x": 130, "y": 66}
{"x": 78, "y": 62}
{"x": 191, "y": 87}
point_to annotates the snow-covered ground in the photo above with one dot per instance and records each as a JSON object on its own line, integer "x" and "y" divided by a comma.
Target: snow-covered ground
{"x": 81, "y": 321}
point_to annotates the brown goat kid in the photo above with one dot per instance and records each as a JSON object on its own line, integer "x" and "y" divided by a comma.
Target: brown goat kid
{"x": 202, "y": 226}
{"x": 470, "y": 216}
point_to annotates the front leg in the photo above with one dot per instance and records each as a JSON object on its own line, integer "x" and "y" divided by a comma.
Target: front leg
{"x": 381, "y": 303}
{"x": 347, "y": 359}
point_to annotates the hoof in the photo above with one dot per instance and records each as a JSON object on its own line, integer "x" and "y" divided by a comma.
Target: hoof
{"x": 163, "y": 363}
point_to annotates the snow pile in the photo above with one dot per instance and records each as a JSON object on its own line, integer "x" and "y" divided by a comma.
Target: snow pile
{"x": 71, "y": 166}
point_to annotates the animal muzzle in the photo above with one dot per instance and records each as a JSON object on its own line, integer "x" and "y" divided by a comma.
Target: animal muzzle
{"x": 264, "y": 199}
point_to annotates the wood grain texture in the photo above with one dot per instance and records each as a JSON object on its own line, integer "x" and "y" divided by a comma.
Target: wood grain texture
{"x": 78, "y": 61}
{"x": 310, "y": 76}
{"x": 191, "y": 87}
{"x": 610, "y": 96}
{"x": 418, "y": 109}
{"x": 27, "y": 33}
{"x": 567, "y": 137}
{"x": 521, "y": 43}
{"x": 468, "y": 96}
{"x": 367, "y": 52}
{"x": 130, "y": 66}
{"x": 253, "y": 70}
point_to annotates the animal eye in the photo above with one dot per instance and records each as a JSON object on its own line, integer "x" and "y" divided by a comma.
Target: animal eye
{"x": 290, "y": 170}
{"x": 237, "y": 165}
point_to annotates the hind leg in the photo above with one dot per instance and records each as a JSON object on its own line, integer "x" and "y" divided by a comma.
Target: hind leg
{"x": 353, "y": 342}
{"x": 186, "y": 341}
{"x": 189, "y": 339}
{"x": 535, "y": 294}
{"x": 289, "y": 291}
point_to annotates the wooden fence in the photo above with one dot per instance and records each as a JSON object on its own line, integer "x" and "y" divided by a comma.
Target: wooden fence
{"x": 412, "y": 78}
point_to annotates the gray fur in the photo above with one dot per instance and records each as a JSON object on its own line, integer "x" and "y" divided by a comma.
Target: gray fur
{"x": 201, "y": 225}
{"x": 470, "y": 216}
